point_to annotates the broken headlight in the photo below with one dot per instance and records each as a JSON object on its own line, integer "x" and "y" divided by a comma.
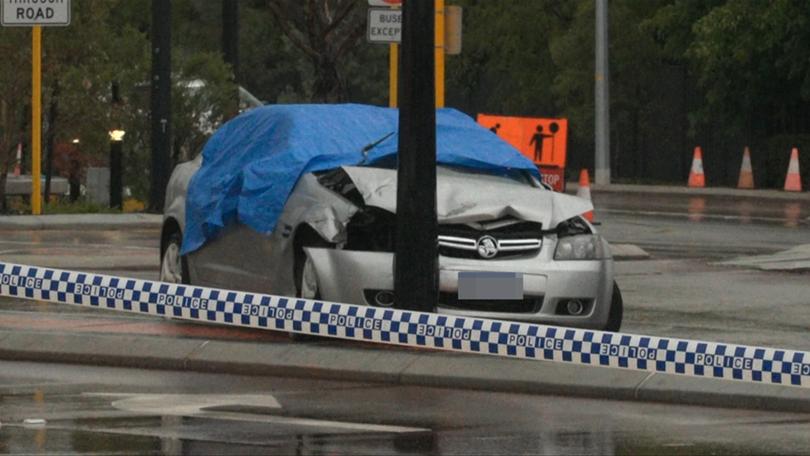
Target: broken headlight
{"x": 579, "y": 247}
{"x": 577, "y": 242}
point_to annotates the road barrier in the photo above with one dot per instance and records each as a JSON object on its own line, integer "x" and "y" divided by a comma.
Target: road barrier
{"x": 409, "y": 328}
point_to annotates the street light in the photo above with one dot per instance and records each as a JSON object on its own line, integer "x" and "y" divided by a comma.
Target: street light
{"x": 117, "y": 135}
{"x": 116, "y": 143}
{"x": 602, "y": 97}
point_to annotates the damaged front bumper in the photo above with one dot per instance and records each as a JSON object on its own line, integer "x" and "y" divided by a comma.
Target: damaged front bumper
{"x": 548, "y": 286}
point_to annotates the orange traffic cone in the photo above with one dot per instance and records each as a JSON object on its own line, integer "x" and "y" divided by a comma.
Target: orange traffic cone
{"x": 696, "y": 177}
{"x": 746, "y": 174}
{"x": 793, "y": 181}
{"x": 584, "y": 191}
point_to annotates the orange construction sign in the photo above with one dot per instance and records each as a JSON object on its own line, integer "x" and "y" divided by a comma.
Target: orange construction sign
{"x": 543, "y": 141}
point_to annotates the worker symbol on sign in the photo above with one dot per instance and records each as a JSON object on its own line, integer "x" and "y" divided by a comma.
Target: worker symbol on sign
{"x": 495, "y": 128}
{"x": 539, "y": 138}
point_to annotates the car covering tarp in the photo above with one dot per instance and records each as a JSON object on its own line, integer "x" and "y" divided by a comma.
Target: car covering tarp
{"x": 252, "y": 163}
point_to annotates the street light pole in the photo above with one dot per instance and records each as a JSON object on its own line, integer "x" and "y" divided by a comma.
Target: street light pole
{"x": 160, "y": 101}
{"x": 602, "y": 96}
{"x": 416, "y": 258}
{"x": 230, "y": 35}
{"x": 116, "y": 182}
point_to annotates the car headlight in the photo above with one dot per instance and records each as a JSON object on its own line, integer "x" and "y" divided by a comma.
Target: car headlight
{"x": 579, "y": 248}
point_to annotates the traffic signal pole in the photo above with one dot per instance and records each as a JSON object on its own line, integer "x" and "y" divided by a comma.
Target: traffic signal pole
{"x": 36, "y": 120}
{"x": 230, "y": 35}
{"x": 393, "y": 74}
{"x": 416, "y": 273}
{"x": 161, "y": 92}
{"x": 439, "y": 51}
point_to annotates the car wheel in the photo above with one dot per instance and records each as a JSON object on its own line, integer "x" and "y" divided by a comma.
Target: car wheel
{"x": 173, "y": 266}
{"x": 614, "y": 322}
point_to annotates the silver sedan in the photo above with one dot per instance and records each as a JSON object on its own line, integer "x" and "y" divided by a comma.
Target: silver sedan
{"x": 510, "y": 248}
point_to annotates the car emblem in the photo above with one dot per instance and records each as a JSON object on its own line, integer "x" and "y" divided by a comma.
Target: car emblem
{"x": 487, "y": 247}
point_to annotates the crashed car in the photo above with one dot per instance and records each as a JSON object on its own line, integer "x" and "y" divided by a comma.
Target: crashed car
{"x": 321, "y": 223}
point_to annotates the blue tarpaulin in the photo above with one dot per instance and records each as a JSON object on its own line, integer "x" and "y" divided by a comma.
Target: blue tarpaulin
{"x": 252, "y": 163}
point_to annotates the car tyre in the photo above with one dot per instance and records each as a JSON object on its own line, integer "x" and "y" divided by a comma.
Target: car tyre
{"x": 173, "y": 266}
{"x": 614, "y": 323}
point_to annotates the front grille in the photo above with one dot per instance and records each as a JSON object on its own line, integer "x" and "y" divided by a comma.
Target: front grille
{"x": 511, "y": 239}
{"x": 529, "y": 304}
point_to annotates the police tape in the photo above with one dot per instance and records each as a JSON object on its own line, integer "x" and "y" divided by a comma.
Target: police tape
{"x": 409, "y": 328}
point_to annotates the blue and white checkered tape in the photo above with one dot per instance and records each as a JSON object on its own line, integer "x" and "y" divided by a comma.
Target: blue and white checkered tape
{"x": 410, "y": 328}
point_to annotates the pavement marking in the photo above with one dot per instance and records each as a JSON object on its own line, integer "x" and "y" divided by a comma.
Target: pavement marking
{"x": 342, "y": 425}
{"x": 195, "y": 405}
{"x": 422, "y": 330}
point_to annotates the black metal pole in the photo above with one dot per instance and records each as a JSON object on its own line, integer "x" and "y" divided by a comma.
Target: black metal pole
{"x": 160, "y": 101}
{"x": 416, "y": 273}
{"x": 116, "y": 184}
{"x": 230, "y": 35}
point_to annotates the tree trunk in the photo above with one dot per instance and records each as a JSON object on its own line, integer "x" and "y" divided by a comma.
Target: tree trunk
{"x": 327, "y": 88}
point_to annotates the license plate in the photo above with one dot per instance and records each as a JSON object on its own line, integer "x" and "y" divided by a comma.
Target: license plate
{"x": 490, "y": 285}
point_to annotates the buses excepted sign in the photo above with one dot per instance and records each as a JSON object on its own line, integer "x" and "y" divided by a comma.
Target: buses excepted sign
{"x": 384, "y": 25}
{"x": 26, "y": 13}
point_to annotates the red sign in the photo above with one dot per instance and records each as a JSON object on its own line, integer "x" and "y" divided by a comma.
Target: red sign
{"x": 553, "y": 176}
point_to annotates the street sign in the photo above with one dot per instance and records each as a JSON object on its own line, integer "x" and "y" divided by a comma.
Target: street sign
{"x": 392, "y": 3}
{"x": 27, "y": 13}
{"x": 384, "y": 25}
{"x": 543, "y": 141}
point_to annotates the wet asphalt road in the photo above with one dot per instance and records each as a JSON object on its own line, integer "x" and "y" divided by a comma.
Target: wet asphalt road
{"x": 93, "y": 410}
{"x": 678, "y": 293}
{"x": 699, "y": 227}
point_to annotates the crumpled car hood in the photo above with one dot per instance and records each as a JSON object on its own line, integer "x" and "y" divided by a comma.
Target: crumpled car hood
{"x": 463, "y": 197}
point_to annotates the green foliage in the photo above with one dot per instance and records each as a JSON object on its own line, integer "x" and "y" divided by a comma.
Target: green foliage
{"x": 506, "y": 64}
{"x": 15, "y": 87}
{"x": 752, "y": 59}
{"x": 720, "y": 73}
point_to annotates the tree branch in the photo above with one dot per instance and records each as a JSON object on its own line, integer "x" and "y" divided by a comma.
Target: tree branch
{"x": 314, "y": 22}
{"x": 341, "y": 15}
{"x": 351, "y": 40}
{"x": 284, "y": 21}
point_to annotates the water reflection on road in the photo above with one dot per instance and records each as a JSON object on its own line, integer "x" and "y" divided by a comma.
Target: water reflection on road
{"x": 265, "y": 415}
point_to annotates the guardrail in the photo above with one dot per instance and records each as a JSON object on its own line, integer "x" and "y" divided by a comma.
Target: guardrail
{"x": 408, "y": 328}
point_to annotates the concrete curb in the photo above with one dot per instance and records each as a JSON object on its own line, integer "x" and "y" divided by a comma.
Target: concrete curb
{"x": 572, "y": 187}
{"x": 117, "y": 261}
{"x": 80, "y": 221}
{"x": 394, "y": 366}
